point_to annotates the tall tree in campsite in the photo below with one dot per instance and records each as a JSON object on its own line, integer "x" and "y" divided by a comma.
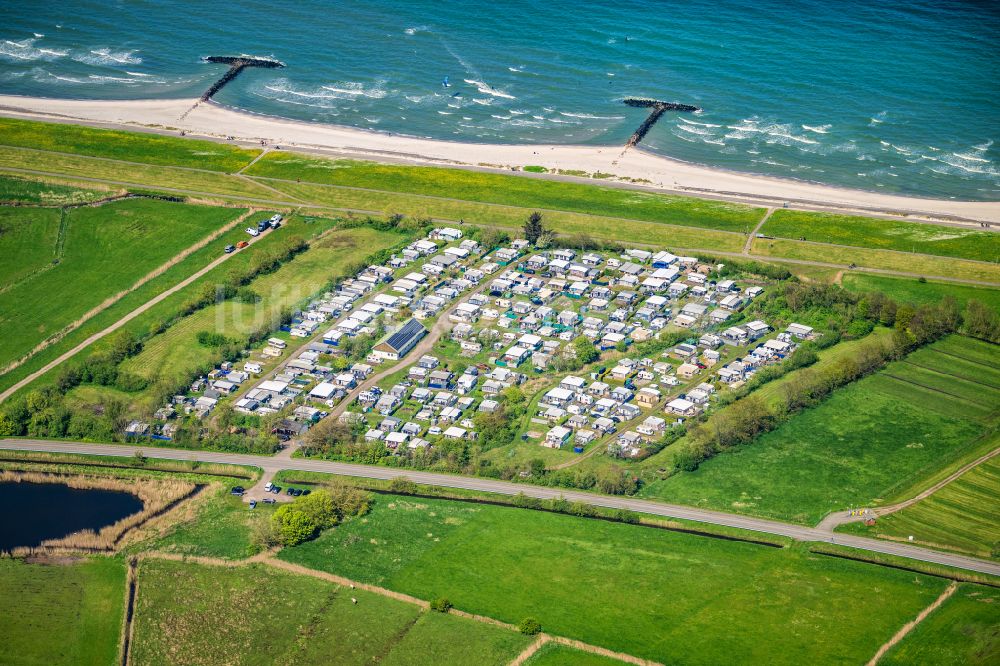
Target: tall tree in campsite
{"x": 533, "y": 228}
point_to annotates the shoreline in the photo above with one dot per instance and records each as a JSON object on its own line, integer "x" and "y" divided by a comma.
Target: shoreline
{"x": 655, "y": 173}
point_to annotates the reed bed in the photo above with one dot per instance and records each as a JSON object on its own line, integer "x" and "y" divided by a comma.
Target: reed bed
{"x": 157, "y": 495}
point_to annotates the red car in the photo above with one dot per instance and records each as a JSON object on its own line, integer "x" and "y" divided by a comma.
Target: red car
{"x": 242, "y": 244}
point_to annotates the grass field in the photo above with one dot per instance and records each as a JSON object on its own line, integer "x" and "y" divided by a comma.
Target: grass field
{"x": 105, "y": 250}
{"x": 141, "y": 324}
{"x": 129, "y": 146}
{"x": 610, "y": 228}
{"x": 62, "y": 613}
{"x": 176, "y": 352}
{"x": 909, "y": 290}
{"x": 651, "y": 593}
{"x": 960, "y": 517}
{"x": 195, "y": 614}
{"x": 30, "y": 235}
{"x": 221, "y": 528}
{"x": 151, "y": 176}
{"x": 884, "y": 234}
{"x": 511, "y": 190}
{"x": 918, "y": 264}
{"x": 965, "y": 630}
{"x": 553, "y": 654}
{"x": 857, "y": 448}
{"x": 47, "y": 192}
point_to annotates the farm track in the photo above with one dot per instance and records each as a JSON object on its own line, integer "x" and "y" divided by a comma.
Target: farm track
{"x": 655, "y": 508}
{"x": 910, "y": 626}
{"x": 131, "y": 315}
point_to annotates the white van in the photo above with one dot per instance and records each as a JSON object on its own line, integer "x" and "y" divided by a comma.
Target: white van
{"x": 268, "y": 486}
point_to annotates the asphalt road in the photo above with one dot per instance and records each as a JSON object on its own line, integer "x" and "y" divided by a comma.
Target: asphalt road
{"x": 270, "y": 465}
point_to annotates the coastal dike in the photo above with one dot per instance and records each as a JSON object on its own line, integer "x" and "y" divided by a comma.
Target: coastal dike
{"x": 236, "y": 65}
{"x": 658, "y": 109}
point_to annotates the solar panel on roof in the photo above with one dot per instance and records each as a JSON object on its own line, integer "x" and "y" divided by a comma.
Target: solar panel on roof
{"x": 410, "y": 330}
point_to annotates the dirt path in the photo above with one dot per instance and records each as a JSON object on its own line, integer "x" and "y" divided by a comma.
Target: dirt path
{"x": 131, "y": 315}
{"x": 530, "y": 651}
{"x": 835, "y": 520}
{"x": 756, "y": 230}
{"x": 909, "y": 626}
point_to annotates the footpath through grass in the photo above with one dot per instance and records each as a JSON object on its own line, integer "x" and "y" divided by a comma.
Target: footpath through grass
{"x": 105, "y": 250}
{"x": 964, "y": 631}
{"x": 884, "y": 234}
{"x": 857, "y": 448}
{"x": 128, "y": 146}
{"x": 656, "y": 594}
{"x": 61, "y": 613}
{"x": 553, "y": 654}
{"x": 195, "y": 614}
{"x": 512, "y": 190}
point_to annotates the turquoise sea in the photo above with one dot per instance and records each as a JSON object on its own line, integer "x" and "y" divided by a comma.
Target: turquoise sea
{"x": 898, "y": 97}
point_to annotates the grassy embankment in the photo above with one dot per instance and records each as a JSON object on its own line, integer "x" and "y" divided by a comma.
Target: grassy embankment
{"x": 63, "y": 613}
{"x": 100, "y": 251}
{"x": 50, "y": 192}
{"x": 604, "y": 583}
{"x": 879, "y": 234}
{"x": 194, "y": 614}
{"x": 862, "y": 445}
{"x": 910, "y": 290}
{"x": 553, "y": 654}
{"x": 904, "y": 262}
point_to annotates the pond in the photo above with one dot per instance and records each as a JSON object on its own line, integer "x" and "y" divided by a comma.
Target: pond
{"x": 31, "y": 513}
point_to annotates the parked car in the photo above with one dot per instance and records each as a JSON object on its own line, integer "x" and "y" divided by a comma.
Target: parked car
{"x": 253, "y": 504}
{"x": 269, "y": 500}
{"x": 237, "y": 490}
{"x": 268, "y": 486}
{"x": 263, "y": 225}
{"x": 252, "y": 231}
{"x": 230, "y": 249}
{"x": 306, "y": 491}
{"x": 276, "y": 490}
{"x": 241, "y": 245}
{"x": 290, "y": 491}
{"x": 297, "y": 492}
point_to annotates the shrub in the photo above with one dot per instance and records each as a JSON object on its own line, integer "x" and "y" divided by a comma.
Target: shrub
{"x": 529, "y": 626}
{"x": 402, "y": 485}
{"x": 441, "y": 605}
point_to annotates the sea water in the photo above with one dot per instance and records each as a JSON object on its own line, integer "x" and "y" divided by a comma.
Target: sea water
{"x": 891, "y": 97}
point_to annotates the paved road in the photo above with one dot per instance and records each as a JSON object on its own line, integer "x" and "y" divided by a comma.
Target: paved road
{"x": 270, "y": 465}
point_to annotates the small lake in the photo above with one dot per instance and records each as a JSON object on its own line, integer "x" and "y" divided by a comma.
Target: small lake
{"x": 34, "y": 512}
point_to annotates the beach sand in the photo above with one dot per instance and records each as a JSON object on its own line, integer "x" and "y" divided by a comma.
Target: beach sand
{"x": 216, "y": 121}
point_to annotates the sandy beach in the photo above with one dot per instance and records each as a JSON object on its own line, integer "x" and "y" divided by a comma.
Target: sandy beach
{"x": 215, "y": 121}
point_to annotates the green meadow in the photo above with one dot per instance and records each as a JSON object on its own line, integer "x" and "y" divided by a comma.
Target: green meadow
{"x": 103, "y": 251}
{"x": 857, "y": 448}
{"x": 964, "y": 631}
{"x": 64, "y": 613}
{"x": 47, "y": 192}
{"x": 195, "y": 614}
{"x": 29, "y": 236}
{"x": 883, "y": 234}
{"x": 651, "y": 593}
{"x": 517, "y": 191}
{"x": 127, "y": 146}
{"x": 910, "y": 290}
{"x": 960, "y": 517}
